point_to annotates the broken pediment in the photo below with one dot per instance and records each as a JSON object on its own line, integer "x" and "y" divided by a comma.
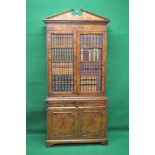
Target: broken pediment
{"x": 76, "y": 16}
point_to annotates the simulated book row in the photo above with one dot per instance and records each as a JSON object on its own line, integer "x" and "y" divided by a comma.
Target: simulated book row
{"x": 90, "y": 64}
{"x": 62, "y": 54}
{"x": 89, "y": 54}
{"x": 63, "y": 71}
{"x": 62, "y": 40}
{"x": 90, "y": 68}
{"x": 90, "y": 79}
{"x": 91, "y": 40}
{"x": 90, "y": 88}
{"x": 91, "y": 83}
{"x": 90, "y": 71}
{"x": 62, "y": 65}
{"x": 62, "y": 83}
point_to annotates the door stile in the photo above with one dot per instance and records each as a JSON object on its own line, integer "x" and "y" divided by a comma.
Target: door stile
{"x": 78, "y": 61}
{"x": 75, "y": 61}
{"x": 104, "y": 47}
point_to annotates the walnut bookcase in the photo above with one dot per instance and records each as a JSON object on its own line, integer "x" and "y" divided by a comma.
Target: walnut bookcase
{"x": 76, "y": 62}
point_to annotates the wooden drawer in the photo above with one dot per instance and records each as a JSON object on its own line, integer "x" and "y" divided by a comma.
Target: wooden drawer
{"x": 92, "y": 104}
{"x": 76, "y": 104}
{"x": 61, "y": 104}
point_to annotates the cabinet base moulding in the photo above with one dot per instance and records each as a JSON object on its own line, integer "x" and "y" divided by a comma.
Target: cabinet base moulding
{"x": 76, "y": 141}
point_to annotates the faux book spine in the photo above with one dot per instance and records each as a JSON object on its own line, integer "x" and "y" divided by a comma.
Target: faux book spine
{"x": 90, "y": 54}
{"x": 62, "y": 83}
{"x": 62, "y": 40}
{"x": 91, "y": 40}
{"x": 90, "y": 83}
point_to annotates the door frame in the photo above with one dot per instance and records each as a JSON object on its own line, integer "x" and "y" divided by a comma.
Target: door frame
{"x": 103, "y": 61}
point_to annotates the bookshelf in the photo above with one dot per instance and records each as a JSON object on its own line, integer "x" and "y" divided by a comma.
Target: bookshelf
{"x": 62, "y": 60}
{"x": 91, "y": 62}
{"x": 76, "y": 71}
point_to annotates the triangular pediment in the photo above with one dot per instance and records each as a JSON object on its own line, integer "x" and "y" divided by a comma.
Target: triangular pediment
{"x": 69, "y": 16}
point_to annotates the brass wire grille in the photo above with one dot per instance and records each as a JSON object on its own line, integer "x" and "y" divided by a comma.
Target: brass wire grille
{"x": 62, "y": 62}
{"x": 91, "y": 62}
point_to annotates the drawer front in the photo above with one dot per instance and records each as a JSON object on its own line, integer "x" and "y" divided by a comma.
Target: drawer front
{"x": 92, "y": 104}
{"x": 76, "y": 104}
{"x": 92, "y": 123}
{"x": 62, "y": 104}
{"x": 61, "y": 124}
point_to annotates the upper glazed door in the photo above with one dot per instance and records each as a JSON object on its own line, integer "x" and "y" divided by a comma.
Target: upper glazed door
{"x": 61, "y": 62}
{"x": 91, "y": 62}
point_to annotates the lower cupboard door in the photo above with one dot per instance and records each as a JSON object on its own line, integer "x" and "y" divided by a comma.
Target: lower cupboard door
{"x": 61, "y": 124}
{"x": 92, "y": 123}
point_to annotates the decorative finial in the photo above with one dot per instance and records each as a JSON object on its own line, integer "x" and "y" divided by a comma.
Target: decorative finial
{"x": 77, "y": 11}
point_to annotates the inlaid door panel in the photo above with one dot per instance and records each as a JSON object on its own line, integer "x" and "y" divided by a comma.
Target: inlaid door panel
{"x": 61, "y": 124}
{"x": 92, "y": 123}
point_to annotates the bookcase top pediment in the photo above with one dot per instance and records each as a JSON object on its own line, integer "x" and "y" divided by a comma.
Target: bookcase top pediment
{"x": 75, "y": 16}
